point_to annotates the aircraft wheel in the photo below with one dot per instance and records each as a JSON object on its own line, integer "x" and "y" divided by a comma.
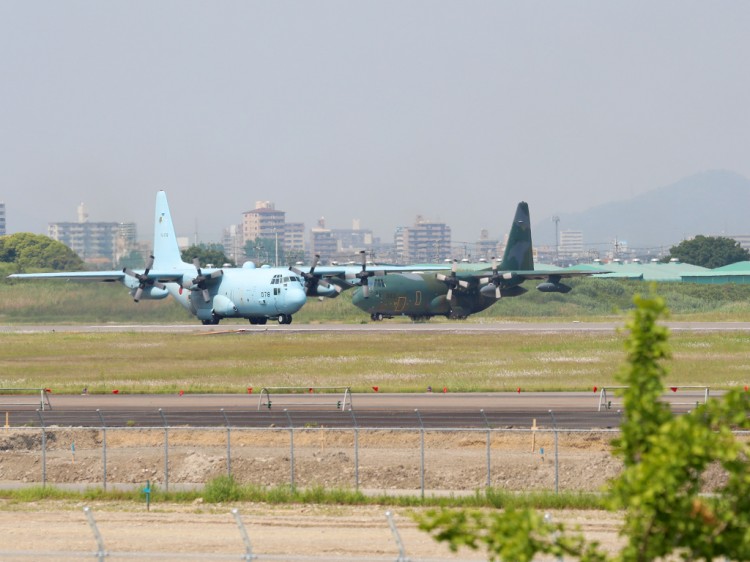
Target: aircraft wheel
{"x": 285, "y": 318}
{"x": 376, "y": 316}
{"x": 257, "y": 320}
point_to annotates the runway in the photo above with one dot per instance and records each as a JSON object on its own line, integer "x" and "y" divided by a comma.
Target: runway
{"x": 229, "y": 328}
{"x": 565, "y": 410}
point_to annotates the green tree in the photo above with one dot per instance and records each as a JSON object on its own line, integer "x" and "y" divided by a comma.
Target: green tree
{"x": 659, "y": 490}
{"x": 35, "y": 251}
{"x": 206, "y": 253}
{"x": 264, "y": 251}
{"x": 709, "y": 251}
{"x": 133, "y": 260}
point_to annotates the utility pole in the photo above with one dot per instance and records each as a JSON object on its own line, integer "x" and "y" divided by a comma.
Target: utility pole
{"x": 556, "y": 220}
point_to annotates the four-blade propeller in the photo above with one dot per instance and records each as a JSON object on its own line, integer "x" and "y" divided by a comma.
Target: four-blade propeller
{"x": 364, "y": 275}
{"x": 495, "y": 279}
{"x": 312, "y": 281}
{"x": 453, "y": 282}
{"x": 143, "y": 280}
{"x": 199, "y": 282}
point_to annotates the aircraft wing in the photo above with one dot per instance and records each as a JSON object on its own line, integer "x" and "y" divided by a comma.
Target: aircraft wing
{"x": 546, "y": 273}
{"x": 330, "y": 280}
{"x": 508, "y": 283}
{"x": 104, "y": 276}
{"x": 107, "y": 276}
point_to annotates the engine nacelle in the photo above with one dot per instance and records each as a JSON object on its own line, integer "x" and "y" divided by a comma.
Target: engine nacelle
{"x": 550, "y": 287}
{"x": 321, "y": 291}
{"x": 514, "y": 291}
{"x": 224, "y": 306}
{"x": 150, "y": 293}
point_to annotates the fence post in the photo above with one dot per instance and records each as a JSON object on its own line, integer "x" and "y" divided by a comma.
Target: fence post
{"x": 557, "y": 464}
{"x": 356, "y": 451}
{"x": 397, "y": 537}
{"x": 489, "y": 459}
{"x": 104, "y": 449}
{"x": 245, "y": 537}
{"x": 166, "y": 450}
{"x": 101, "y": 552}
{"x": 421, "y": 452}
{"x": 291, "y": 449}
{"x": 44, "y": 449}
{"x": 229, "y": 444}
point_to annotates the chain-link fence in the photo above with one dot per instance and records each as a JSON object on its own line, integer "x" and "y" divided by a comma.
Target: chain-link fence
{"x": 418, "y": 461}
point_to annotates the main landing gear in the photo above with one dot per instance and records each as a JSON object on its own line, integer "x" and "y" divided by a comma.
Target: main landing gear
{"x": 215, "y": 319}
{"x": 258, "y": 321}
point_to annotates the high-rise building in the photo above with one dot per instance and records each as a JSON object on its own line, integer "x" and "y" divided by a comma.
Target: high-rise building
{"x": 571, "y": 243}
{"x": 322, "y": 242}
{"x": 263, "y": 222}
{"x": 100, "y": 243}
{"x": 294, "y": 240}
{"x": 424, "y": 242}
{"x": 486, "y": 248}
{"x": 233, "y": 243}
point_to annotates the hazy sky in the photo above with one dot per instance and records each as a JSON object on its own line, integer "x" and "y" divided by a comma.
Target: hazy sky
{"x": 376, "y": 110}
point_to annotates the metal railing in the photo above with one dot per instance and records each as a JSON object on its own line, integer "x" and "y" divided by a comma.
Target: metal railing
{"x": 21, "y": 397}
{"x": 606, "y": 403}
{"x": 306, "y": 397}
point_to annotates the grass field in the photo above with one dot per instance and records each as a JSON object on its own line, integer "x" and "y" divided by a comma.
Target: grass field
{"x": 144, "y": 363}
{"x": 164, "y": 363}
{"x": 60, "y": 302}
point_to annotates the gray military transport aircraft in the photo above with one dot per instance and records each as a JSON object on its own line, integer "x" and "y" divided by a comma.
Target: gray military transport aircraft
{"x": 211, "y": 294}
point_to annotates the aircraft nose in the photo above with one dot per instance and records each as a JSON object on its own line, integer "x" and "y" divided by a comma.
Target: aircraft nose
{"x": 295, "y": 297}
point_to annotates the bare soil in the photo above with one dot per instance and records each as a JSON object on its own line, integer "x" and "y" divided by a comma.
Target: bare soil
{"x": 387, "y": 461}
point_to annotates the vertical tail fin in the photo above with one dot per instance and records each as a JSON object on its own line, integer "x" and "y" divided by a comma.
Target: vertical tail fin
{"x": 166, "y": 251}
{"x": 518, "y": 252}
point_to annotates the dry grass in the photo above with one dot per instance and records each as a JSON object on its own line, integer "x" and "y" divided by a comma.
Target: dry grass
{"x": 153, "y": 363}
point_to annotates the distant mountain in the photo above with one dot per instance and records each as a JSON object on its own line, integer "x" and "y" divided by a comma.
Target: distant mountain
{"x": 713, "y": 203}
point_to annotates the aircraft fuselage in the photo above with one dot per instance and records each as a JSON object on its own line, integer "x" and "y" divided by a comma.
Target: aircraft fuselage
{"x": 247, "y": 292}
{"x": 418, "y": 296}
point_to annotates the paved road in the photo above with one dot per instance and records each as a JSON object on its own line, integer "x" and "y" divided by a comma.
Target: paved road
{"x": 570, "y": 410}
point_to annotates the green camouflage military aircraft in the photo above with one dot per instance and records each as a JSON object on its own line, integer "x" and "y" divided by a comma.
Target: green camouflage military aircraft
{"x": 457, "y": 294}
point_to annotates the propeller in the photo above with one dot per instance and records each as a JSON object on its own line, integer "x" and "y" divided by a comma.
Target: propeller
{"x": 493, "y": 279}
{"x": 496, "y": 279}
{"x": 312, "y": 281}
{"x": 364, "y": 275}
{"x": 452, "y": 281}
{"x": 143, "y": 280}
{"x": 199, "y": 282}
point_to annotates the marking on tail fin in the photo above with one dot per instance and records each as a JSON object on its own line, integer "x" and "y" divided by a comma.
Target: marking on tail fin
{"x": 166, "y": 252}
{"x": 518, "y": 254}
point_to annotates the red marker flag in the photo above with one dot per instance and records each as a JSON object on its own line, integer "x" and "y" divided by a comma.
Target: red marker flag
{"x": 375, "y": 388}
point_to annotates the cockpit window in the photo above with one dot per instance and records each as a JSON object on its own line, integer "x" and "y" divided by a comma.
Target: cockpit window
{"x": 276, "y": 280}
